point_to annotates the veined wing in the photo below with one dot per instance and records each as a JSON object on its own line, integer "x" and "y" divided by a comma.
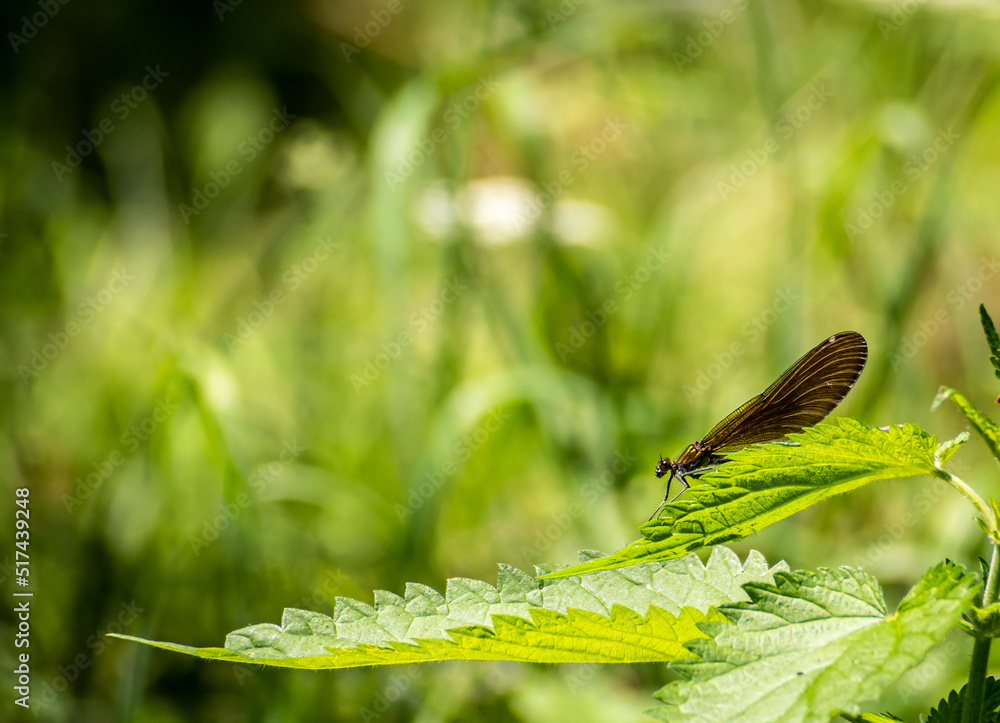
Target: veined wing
{"x": 804, "y": 395}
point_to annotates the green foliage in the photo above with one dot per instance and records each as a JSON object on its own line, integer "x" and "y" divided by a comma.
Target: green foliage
{"x": 987, "y": 429}
{"x": 752, "y": 643}
{"x": 767, "y": 483}
{"x": 811, "y": 644}
{"x": 949, "y": 710}
{"x": 984, "y": 621}
{"x": 642, "y": 614}
{"x": 992, "y": 338}
{"x": 948, "y": 448}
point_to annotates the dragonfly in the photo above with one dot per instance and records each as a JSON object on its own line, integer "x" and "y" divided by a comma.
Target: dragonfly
{"x": 804, "y": 395}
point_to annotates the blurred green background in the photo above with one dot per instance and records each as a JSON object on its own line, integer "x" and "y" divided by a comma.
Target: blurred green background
{"x": 310, "y": 299}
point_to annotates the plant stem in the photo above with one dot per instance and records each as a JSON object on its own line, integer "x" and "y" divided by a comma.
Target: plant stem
{"x": 974, "y": 691}
{"x": 973, "y": 704}
{"x": 977, "y": 501}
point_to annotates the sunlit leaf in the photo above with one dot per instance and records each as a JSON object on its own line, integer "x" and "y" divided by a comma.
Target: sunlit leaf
{"x": 811, "y": 644}
{"x": 946, "y": 449}
{"x": 764, "y": 484}
{"x": 870, "y": 718}
{"x": 642, "y": 614}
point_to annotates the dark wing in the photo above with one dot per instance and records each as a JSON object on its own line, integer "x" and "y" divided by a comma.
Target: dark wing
{"x": 804, "y": 395}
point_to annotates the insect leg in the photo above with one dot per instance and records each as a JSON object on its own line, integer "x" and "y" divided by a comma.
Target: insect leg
{"x": 682, "y": 478}
{"x": 667, "y": 495}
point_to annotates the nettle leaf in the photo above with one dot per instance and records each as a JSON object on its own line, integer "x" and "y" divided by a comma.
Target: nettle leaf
{"x": 767, "y": 483}
{"x": 947, "y": 449}
{"x": 949, "y": 710}
{"x": 642, "y": 614}
{"x": 992, "y": 339}
{"x": 871, "y": 718}
{"x": 811, "y": 644}
{"x": 986, "y": 427}
{"x": 984, "y": 621}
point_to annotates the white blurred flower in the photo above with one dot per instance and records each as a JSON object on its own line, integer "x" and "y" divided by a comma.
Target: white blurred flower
{"x": 493, "y": 208}
{"x": 504, "y": 210}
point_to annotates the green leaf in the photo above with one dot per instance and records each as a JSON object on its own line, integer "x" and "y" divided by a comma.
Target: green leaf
{"x": 767, "y": 483}
{"x": 811, "y": 644}
{"x": 949, "y": 710}
{"x": 992, "y": 338}
{"x": 946, "y": 449}
{"x": 985, "y": 527}
{"x": 987, "y": 429}
{"x": 641, "y": 614}
{"x": 870, "y": 718}
{"x": 984, "y": 621}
